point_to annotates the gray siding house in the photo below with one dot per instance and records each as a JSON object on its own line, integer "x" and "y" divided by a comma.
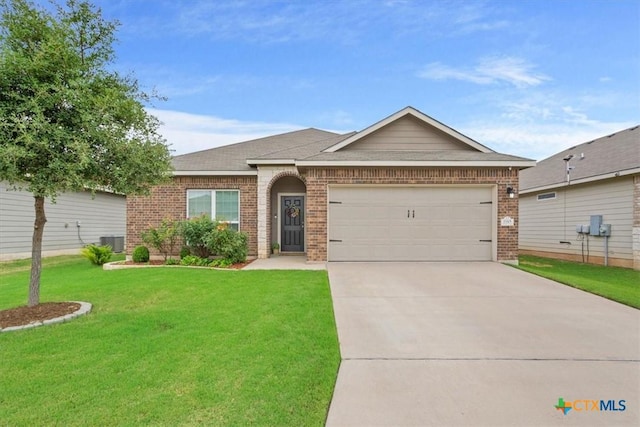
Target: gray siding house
{"x": 599, "y": 177}
{"x": 74, "y": 220}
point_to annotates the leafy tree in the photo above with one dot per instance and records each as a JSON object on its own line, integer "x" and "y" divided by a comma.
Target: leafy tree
{"x": 67, "y": 121}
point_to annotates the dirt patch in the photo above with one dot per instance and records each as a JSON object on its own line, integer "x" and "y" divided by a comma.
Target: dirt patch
{"x": 21, "y": 316}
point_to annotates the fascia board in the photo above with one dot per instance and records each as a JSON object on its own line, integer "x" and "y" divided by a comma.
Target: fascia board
{"x": 585, "y": 180}
{"x": 418, "y": 163}
{"x": 214, "y": 173}
{"x": 271, "y": 161}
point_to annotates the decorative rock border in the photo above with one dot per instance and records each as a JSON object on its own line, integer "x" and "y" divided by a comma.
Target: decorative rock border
{"x": 119, "y": 265}
{"x": 85, "y": 308}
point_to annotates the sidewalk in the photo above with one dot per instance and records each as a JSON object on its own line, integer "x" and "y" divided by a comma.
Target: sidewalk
{"x": 286, "y": 262}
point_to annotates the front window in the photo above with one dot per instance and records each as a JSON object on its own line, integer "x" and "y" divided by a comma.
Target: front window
{"x": 221, "y": 205}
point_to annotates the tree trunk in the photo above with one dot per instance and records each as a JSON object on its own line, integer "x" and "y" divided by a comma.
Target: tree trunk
{"x": 36, "y": 252}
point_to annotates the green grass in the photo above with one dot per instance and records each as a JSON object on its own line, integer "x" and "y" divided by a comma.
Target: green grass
{"x": 615, "y": 283}
{"x": 170, "y": 346}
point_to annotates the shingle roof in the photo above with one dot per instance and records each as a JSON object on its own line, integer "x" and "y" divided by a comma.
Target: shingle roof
{"x": 305, "y": 150}
{"x": 312, "y": 145}
{"x": 234, "y": 157}
{"x": 615, "y": 153}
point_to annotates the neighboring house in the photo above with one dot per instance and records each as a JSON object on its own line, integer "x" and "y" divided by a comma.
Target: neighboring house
{"x": 407, "y": 188}
{"x": 75, "y": 219}
{"x": 603, "y": 179}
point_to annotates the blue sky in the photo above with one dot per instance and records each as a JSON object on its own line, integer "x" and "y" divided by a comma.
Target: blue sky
{"x": 528, "y": 78}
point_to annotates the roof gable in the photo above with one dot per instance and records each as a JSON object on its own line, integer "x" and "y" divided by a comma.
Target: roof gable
{"x": 610, "y": 156}
{"x": 409, "y": 130}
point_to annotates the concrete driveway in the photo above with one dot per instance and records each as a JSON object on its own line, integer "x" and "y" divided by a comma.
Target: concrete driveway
{"x": 450, "y": 344}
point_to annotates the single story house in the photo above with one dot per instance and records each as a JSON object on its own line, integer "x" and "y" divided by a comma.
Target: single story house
{"x": 597, "y": 180}
{"x": 407, "y": 188}
{"x": 74, "y": 220}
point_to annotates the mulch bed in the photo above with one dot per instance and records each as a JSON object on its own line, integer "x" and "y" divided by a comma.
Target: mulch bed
{"x": 20, "y": 316}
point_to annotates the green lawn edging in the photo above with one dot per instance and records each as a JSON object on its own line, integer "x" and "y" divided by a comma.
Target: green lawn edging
{"x": 614, "y": 283}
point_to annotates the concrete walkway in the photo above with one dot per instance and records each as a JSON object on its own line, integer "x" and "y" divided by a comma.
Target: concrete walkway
{"x": 286, "y": 262}
{"x": 483, "y": 344}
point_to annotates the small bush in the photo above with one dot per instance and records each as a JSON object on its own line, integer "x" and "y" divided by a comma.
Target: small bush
{"x": 140, "y": 254}
{"x": 192, "y": 260}
{"x": 221, "y": 263}
{"x": 163, "y": 238}
{"x": 184, "y": 252}
{"x": 172, "y": 261}
{"x": 195, "y": 232}
{"x": 98, "y": 255}
{"x": 229, "y": 244}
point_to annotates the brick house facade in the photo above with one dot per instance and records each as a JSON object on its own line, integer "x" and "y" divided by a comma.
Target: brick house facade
{"x": 169, "y": 201}
{"x": 406, "y": 150}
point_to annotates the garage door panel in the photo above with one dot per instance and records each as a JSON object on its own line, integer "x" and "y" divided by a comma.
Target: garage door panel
{"x": 410, "y": 223}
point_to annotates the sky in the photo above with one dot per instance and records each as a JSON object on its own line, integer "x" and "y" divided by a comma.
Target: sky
{"x": 524, "y": 77}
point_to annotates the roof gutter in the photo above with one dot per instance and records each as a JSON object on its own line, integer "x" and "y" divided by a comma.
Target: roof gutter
{"x": 417, "y": 163}
{"x": 252, "y": 162}
{"x": 214, "y": 173}
{"x": 586, "y": 180}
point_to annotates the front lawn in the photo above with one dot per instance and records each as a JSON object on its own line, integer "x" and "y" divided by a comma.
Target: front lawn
{"x": 618, "y": 284}
{"x": 171, "y": 346}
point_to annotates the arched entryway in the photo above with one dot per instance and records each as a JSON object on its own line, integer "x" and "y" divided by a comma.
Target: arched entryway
{"x": 287, "y": 203}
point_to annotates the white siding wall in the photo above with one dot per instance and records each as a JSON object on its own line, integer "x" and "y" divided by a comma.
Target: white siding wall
{"x": 104, "y": 215}
{"x": 544, "y": 223}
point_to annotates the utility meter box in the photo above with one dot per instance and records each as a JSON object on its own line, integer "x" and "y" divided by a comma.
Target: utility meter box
{"x": 596, "y": 222}
{"x": 583, "y": 229}
{"x": 605, "y": 230}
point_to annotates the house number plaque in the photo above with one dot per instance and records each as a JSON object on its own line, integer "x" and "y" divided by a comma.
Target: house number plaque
{"x": 507, "y": 221}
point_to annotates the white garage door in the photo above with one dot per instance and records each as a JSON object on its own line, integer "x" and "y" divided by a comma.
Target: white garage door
{"x": 375, "y": 223}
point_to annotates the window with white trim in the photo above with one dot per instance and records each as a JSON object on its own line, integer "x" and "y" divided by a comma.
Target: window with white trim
{"x": 221, "y": 205}
{"x": 546, "y": 196}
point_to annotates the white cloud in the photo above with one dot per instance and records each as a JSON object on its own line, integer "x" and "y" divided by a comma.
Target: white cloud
{"x": 540, "y": 139}
{"x": 515, "y": 71}
{"x": 187, "y": 132}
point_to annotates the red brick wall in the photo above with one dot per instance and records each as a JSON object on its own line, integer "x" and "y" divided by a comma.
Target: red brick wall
{"x": 317, "y": 180}
{"x": 170, "y": 201}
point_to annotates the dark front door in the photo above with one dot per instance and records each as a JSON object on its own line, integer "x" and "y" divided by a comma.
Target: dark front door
{"x": 292, "y": 221}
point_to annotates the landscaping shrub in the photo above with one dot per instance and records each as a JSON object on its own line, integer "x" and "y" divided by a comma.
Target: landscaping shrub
{"x": 228, "y": 243}
{"x": 184, "y": 252}
{"x": 193, "y": 260}
{"x": 221, "y": 263}
{"x": 172, "y": 261}
{"x": 140, "y": 254}
{"x": 195, "y": 232}
{"x": 98, "y": 255}
{"x": 163, "y": 238}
